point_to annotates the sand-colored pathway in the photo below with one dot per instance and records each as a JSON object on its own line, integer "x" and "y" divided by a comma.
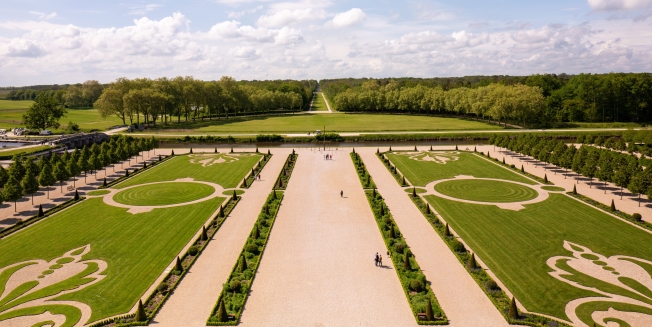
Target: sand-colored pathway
{"x": 465, "y": 304}
{"x": 192, "y": 301}
{"x": 318, "y": 269}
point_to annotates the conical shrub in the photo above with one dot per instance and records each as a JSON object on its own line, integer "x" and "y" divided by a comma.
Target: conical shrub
{"x": 522, "y": 169}
{"x": 472, "y": 264}
{"x": 293, "y": 153}
{"x": 414, "y": 192}
{"x": 545, "y": 178}
{"x": 353, "y": 150}
{"x": 456, "y": 147}
{"x": 177, "y": 266}
{"x": 613, "y": 205}
{"x": 280, "y": 183}
{"x": 76, "y": 195}
{"x": 403, "y": 181}
{"x": 221, "y": 312}
{"x": 392, "y": 233}
{"x": 221, "y": 212}
{"x": 427, "y": 208}
{"x": 268, "y": 152}
{"x": 172, "y": 154}
{"x": 256, "y": 232}
{"x": 215, "y": 150}
{"x": 406, "y": 261}
{"x": 447, "y": 231}
{"x": 390, "y": 148}
{"x": 574, "y": 190}
{"x": 191, "y": 150}
{"x": 431, "y": 148}
{"x": 415, "y": 148}
{"x": 267, "y": 209}
{"x": 488, "y": 155}
{"x": 382, "y": 210}
{"x": 104, "y": 184}
{"x": 475, "y": 149}
{"x": 373, "y": 193}
{"x": 40, "y": 211}
{"x": 257, "y": 150}
{"x": 140, "y": 312}
{"x": 429, "y": 314}
{"x": 243, "y": 264}
{"x": 235, "y": 194}
{"x": 244, "y": 182}
{"x": 377, "y": 150}
{"x": 503, "y": 160}
{"x": 231, "y": 149}
{"x": 204, "y": 235}
{"x": 127, "y": 173}
{"x": 145, "y": 164}
{"x": 274, "y": 194}
{"x": 513, "y": 311}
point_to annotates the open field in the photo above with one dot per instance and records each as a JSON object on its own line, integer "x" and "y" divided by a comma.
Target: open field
{"x": 559, "y": 234}
{"x": 207, "y": 167}
{"x": 11, "y": 152}
{"x": 101, "y": 259}
{"x": 11, "y": 115}
{"x": 336, "y": 122}
{"x": 319, "y": 104}
{"x": 19, "y": 104}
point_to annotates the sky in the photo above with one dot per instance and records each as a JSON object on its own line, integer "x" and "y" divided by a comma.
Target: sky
{"x": 70, "y": 41}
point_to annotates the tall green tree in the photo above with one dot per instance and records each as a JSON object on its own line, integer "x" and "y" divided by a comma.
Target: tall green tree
{"x": 46, "y": 177}
{"x": 60, "y": 173}
{"x": 4, "y": 176}
{"x": 13, "y": 191}
{"x": 44, "y": 112}
{"x": 73, "y": 170}
{"x": 29, "y": 184}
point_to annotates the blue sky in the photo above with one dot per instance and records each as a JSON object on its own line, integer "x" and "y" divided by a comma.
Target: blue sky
{"x": 43, "y": 42}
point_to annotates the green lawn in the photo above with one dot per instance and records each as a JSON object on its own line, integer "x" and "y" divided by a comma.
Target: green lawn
{"x": 319, "y": 104}
{"x": 516, "y": 245}
{"x": 226, "y": 174}
{"x": 11, "y": 152}
{"x": 336, "y": 122}
{"x": 11, "y": 115}
{"x": 137, "y": 248}
{"x": 486, "y": 191}
{"x": 163, "y": 194}
{"x": 421, "y": 172}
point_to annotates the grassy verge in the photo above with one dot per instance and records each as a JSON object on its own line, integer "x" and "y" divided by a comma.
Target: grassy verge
{"x": 46, "y": 213}
{"x": 486, "y": 283}
{"x": 231, "y": 301}
{"x": 135, "y": 172}
{"x": 422, "y": 300}
{"x": 246, "y": 183}
{"x": 365, "y": 178}
{"x": 154, "y": 302}
{"x": 607, "y": 208}
{"x": 392, "y": 169}
{"x": 9, "y": 154}
{"x": 286, "y": 172}
{"x": 515, "y": 169}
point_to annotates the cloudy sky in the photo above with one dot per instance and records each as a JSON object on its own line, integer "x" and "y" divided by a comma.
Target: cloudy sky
{"x": 69, "y": 41}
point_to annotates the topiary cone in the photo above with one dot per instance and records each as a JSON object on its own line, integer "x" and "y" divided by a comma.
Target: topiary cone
{"x": 545, "y": 178}
{"x": 429, "y": 314}
{"x": 472, "y": 265}
{"x": 256, "y": 232}
{"x": 127, "y": 173}
{"x": 390, "y": 148}
{"x": 144, "y": 164}
{"x": 382, "y": 209}
{"x": 488, "y": 155}
{"x": 414, "y": 192}
{"x": 177, "y": 266}
{"x": 392, "y": 233}
{"x": 104, "y": 184}
{"x": 76, "y": 195}
{"x": 244, "y": 182}
{"x": 274, "y": 194}
{"x": 522, "y": 169}
{"x": 427, "y": 208}
{"x": 40, "y": 211}
{"x": 140, "y": 312}
{"x": 377, "y": 150}
{"x": 613, "y": 205}
{"x": 415, "y": 148}
{"x": 257, "y": 150}
{"x": 456, "y": 147}
{"x": 447, "y": 231}
{"x": 574, "y": 190}
{"x": 231, "y": 149}
{"x": 475, "y": 149}
{"x": 513, "y": 311}
{"x": 431, "y": 148}
{"x": 221, "y": 212}
{"x": 406, "y": 261}
{"x": 204, "y": 235}
{"x": 243, "y": 264}
{"x": 373, "y": 193}
{"x": 269, "y": 153}
{"x": 266, "y": 209}
{"x": 221, "y": 312}
{"x": 353, "y": 150}
{"x": 172, "y": 154}
{"x": 403, "y": 181}
{"x": 215, "y": 150}
{"x": 503, "y": 160}
{"x": 190, "y": 150}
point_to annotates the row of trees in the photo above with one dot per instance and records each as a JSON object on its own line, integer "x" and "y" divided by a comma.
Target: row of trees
{"x": 162, "y": 99}
{"x": 623, "y": 170}
{"x": 515, "y": 103}
{"x": 25, "y": 175}
{"x": 72, "y": 96}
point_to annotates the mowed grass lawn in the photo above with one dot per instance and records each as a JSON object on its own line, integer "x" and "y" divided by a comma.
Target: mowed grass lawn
{"x": 335, "y": 122}
{"x": 226, "y": 174}
{"x": 11, "y": 115}
{"x": 515, "y": 245}
{"x": 319, "y": 104}
{"x": 137, "y": 248}
{"x": 420, "y": 173}
{"x": 163, "y": 194}
{"x": 486, "y": 190}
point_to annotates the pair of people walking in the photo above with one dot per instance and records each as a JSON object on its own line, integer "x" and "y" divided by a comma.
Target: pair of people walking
{"x": 378, "y": 260}
{"x": 328, "y": 157}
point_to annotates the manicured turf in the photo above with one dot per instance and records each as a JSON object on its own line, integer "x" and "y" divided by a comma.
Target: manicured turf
{"x": 336, "y": 122}
{"x": 11, "y": 115}
{"x": 420, "y": 173}
{"x": 553, "y": 188}
{"x": 319, "y": 104}
{"x": 227, "y": 174}
{"x": 515, "y": 245}
{"x": 163, "y": 194}
{"x": 12, "y": 152}
{"x": 229, "y": 193}
{"x": 137, "y": 248}
{"x": 98, "y": 192}
{"x": 486, "y": 191}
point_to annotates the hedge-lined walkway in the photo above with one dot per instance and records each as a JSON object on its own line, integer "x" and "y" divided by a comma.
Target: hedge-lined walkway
{"x": 463, "y": 301}
{"x": 318, "y": 268}
{"x": 192, "y": 301}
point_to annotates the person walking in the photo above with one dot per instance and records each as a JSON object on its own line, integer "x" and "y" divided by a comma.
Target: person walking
{"x": 341, "y": 194}
{"x": 376, "y": 259}
{"x": 380, "y": 260}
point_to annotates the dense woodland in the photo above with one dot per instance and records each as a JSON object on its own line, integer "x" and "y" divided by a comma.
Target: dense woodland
{"x": 537, "y": 100}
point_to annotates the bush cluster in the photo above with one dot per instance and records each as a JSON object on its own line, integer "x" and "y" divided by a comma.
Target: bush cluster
{"x": 284, "y": 176}
{"x": 365, "y": 178}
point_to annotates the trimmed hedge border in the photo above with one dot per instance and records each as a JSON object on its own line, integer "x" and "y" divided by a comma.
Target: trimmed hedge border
{"x": 135, "y": 172}
{"x": 515, "y": 169}
{"x": 156, "y": 300}
{"x": 365, "y": 178}
{"x": 31, "y": 220}
{"x": 498, "y": 298}
{"x": 284, "y": 177}
{"x": 393, "y": 245}
{"x": 600, "y": 205}
{"x": 233, "y": 311}
{"x": 392, "y": 169}
{"x": 256, "y": 170}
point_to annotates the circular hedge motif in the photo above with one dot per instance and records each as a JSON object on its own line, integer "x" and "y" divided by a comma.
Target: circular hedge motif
{"x": 163, "y": 194}
{"x": 486, "y": 191}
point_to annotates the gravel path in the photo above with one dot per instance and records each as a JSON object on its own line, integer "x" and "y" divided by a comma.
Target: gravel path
{"x": 192, "y": 302}
{"x": 465, "y": 304}
{"x": 317, "y": 269}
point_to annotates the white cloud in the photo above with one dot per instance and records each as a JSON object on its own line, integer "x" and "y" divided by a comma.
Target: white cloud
{"x": 21, "y": 48}
{"x": 608, "y": 5}
{"x": 287, "y": 17}
{"x": 245, "y": 53}
{"x": 44, "y": 16}
{"x": 348, "y": 18}
{"x": 143, "y": 9}
{"x": 238, "y": 14}
{"x": 233, "y": 30}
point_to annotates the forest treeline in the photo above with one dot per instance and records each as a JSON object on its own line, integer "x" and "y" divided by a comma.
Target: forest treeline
{"x": 536, "y": 100}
